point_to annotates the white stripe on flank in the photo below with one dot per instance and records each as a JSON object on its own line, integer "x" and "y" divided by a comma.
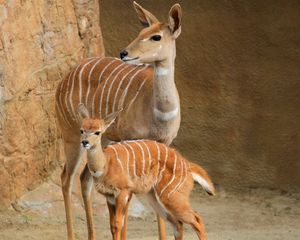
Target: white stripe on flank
{"x": 160, "y": 71}
{"x": 60, "y": 105}
{"x": 158, "y": 159}
{"x": 166, "y": 116}
{"x": 185, "y": 175}
{"x": 67, "y": 94}
{"x": 174, "y": 175}
{"x": 178, "y": 184}
{"x": 99, "y": 79}
{"x": 128, "y": 170}
{"x": 166, "y": 159}
{"x": 121, "y": 105}
{"x": 71, "y": 92}
{"x": 117, "y": 157}
{"x": 103, "y": 88}
{"x": 120, "y": 83}
{"x": 109, "y": 90}
{"x": 133, "y": 159}
{"x": 143, "y": 154}
{"x": 149, "y": 155}
{"x": 80, "y": 79}
{"x": 89, "y": 81}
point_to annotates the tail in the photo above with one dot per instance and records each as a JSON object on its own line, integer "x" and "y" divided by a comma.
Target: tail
{"x": 201, "y": 177}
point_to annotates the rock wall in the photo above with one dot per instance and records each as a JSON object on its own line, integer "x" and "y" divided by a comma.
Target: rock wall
{"x": 238, "y": 76}
{"x": 39, "y": 42}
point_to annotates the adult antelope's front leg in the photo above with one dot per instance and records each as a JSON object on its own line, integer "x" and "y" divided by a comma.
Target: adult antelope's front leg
{"x": 86, "y": 189}
{"x": 73, "y": 153}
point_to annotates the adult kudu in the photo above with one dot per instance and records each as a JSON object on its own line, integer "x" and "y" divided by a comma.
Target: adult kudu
{"x": 142, "y": 85}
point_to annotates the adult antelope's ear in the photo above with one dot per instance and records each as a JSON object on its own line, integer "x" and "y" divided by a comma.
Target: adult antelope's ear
{"x": 175, "y": 16}
{"x": 146, "y": 17}
{"x": 82, "y": 112}
{"x": 110, "y": 118}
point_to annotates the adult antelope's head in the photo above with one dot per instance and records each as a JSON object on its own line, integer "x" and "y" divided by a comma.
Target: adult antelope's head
{"x": 156, "y": 42}
{"x": 91, "y": 128}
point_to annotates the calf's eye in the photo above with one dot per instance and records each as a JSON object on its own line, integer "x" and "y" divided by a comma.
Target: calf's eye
{"x": 81, "y": 131}
{"x": 97, "y": 133}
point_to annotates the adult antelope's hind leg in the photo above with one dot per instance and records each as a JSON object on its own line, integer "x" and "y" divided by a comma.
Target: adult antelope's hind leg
{"x": 73, "y": 153}
{"x": 86, "y": 180}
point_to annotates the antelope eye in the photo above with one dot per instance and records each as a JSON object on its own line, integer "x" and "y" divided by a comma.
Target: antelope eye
{"x": 81, "y": 131}
{"x": 156, "y": 38}
{"x": 97, "y": 133}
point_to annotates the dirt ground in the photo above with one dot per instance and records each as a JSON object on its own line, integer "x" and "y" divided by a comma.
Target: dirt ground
{"x": 254, "y": 214}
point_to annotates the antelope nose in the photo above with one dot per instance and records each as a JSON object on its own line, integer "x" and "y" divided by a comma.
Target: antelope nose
{"x": 123, "y": 54}
{"x": 85, "y": 142}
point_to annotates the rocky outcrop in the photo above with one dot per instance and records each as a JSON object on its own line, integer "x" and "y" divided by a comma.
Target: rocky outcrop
{"x": 39, "y": 42}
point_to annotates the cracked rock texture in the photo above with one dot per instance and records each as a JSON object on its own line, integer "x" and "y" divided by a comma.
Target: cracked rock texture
{"x": 40, "y": 41}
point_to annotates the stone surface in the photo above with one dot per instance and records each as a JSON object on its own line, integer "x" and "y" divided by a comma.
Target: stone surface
{"x": 40, "y": 41}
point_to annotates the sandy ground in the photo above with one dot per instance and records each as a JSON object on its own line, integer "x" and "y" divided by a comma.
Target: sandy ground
{"x": 255, "y": 214}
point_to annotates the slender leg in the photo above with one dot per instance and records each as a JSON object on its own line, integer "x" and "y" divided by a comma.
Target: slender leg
{"x": 121, "y": 203}
{"x": 161, "y": 228}
{"x": 73, "y": 155}
{"x": 125, "y": 220}
{"x": 198, "y": 226}
{"x": 112, "y": 215}
{"x": 86, "y": 189}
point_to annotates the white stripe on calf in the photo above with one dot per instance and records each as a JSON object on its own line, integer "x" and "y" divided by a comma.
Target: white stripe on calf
{"x": 174, "y": 175}
{"x": 133, "y": 159}
{"x": 117, "y": 156}
{"x": 166, "y": 159}
{"x": 181, "y": 174}
{"x": 128, "y": 171}
{"x": 143, "y": 154}
{"x": 149, "y": 154}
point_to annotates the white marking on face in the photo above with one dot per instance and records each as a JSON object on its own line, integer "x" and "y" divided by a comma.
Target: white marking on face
{"x": 166, "y": 116}
{"x": 160, "y": 71}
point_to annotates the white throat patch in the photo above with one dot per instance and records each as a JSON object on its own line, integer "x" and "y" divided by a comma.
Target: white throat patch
{"x": 166, "y": 116}
{"x": 160, "y": 71}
